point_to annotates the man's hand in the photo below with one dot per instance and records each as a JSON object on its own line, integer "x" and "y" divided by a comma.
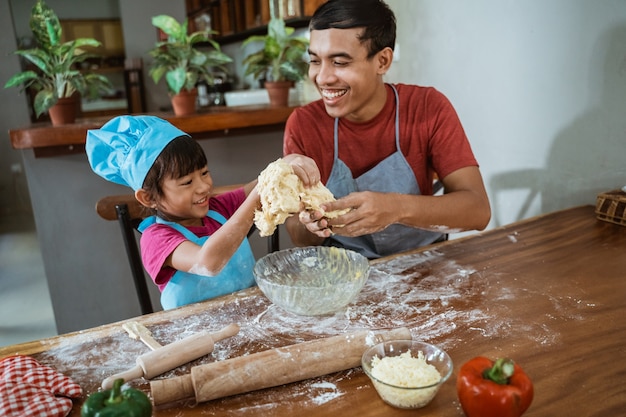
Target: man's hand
{"x": 464, "y": 206}
{"x": 315, "y": 222}
{"x": 369, "y": 212}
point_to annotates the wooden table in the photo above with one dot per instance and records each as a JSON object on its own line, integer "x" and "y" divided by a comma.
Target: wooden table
{"x": 549, "y": 292}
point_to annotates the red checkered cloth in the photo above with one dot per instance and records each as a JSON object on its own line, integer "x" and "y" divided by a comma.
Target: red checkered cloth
{"x": 28, "y": 388}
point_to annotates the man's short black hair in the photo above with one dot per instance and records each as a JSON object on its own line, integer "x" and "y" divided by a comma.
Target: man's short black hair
{"x": 374, "y": 16}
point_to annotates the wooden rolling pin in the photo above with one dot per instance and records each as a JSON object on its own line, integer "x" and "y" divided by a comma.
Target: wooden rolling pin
{"x": 170, "y": 356}
{"x": 271, "y": 368}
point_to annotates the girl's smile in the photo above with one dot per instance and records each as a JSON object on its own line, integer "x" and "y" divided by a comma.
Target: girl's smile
{"x": 187, "y": 198}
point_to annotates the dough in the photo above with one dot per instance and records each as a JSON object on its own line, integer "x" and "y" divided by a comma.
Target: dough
{"x": 282, "y": 192}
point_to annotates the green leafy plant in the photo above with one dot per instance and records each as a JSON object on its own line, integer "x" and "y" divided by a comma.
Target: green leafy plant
{"x": 56, "y": 73}
{"x": 282, "y": 56}
{"x": 178, "y": 58}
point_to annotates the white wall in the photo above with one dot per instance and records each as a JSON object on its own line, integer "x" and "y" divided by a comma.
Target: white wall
{"x": 539, "y": 86}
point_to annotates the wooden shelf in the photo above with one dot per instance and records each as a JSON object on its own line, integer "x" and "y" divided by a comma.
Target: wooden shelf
{"x": 235, "y": 20}
{"x": 47, "y": 140}
{"x": 298, "y": 22}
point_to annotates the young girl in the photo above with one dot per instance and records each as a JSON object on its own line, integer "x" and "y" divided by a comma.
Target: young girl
{"x": 194, "y": 246}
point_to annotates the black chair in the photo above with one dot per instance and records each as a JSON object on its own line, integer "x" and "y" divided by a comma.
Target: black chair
{"x": 129, "y": 213}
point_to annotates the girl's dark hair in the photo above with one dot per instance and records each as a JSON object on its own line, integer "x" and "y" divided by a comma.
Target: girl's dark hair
{"x": 374, "y": 16}
{"x": 180, "y": 157}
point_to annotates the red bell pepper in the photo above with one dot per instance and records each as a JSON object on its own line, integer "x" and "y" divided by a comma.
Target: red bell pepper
{"x": 493, "y": 389}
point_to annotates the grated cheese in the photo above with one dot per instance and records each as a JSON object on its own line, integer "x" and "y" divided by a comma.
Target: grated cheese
{"x": 407, "y": 372}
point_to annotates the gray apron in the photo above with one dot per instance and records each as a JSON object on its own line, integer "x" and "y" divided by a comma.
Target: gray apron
{"x": 392, "y": 175}
{"x": 186, "y": 288}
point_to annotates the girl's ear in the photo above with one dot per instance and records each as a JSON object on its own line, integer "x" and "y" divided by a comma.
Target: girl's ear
{"x": 144, "y": 198}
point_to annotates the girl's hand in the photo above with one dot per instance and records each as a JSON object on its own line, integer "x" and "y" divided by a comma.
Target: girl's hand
{"x": 305, "y": 168}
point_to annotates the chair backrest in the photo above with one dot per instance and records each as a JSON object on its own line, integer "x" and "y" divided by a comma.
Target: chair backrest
{"x": 129, "y": 213}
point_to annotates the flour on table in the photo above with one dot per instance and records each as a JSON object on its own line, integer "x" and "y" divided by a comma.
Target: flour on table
{"x": 434, "y": 297}
{"x": 282, "y": 194}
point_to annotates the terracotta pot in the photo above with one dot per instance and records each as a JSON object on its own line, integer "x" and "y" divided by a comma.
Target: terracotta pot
{"x": 184, "y": 103}
{"x": 64, "y": 112}
{"x": 278, "y": 92}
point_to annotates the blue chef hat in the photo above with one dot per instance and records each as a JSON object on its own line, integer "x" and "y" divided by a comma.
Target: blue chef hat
{"x": 125, "y": 148}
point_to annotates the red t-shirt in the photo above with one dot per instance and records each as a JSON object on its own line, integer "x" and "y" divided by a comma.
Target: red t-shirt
{"x": 432, "y": 138}
{"x": 159, "y": 240}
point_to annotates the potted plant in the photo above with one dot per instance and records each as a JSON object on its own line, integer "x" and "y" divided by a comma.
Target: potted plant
{"x": 182, "y": 63}
{"x": 56, "y": 77}
{"x": 280, "y": 62}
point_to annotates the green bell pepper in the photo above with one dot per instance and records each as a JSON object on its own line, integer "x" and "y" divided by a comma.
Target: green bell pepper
{"x": 117, "y": 403}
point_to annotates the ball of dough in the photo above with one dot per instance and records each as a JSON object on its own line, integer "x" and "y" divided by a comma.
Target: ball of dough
{"x": 283, "y": 194}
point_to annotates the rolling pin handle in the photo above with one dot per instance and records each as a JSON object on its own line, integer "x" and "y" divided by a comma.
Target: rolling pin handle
{"x": 228, "y": 331}
{"x": 133, "y": 373}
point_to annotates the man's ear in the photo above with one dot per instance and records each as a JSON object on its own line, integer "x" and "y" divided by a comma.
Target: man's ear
{"x": 385, "y": 57}
{"x": 144, "y": 198}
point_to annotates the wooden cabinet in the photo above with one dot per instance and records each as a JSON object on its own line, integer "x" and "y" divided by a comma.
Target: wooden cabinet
{"x": 235, "y": 20}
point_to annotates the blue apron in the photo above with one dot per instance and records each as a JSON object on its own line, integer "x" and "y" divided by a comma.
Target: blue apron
{"x": 186, "y": 288}
{"x": 392, "y": 175}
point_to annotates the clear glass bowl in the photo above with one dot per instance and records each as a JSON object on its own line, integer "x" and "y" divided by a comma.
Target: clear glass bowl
{"x": 395, "y": 386}
{"x": 313, "y": 280}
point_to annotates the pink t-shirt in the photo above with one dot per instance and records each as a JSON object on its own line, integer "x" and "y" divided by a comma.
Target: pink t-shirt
{"x": 159, "y": 240}
{"x": 432, "y": 138}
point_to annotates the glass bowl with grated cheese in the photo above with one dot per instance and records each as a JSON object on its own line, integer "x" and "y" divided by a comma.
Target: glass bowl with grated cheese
{"x": 406, "y": 373}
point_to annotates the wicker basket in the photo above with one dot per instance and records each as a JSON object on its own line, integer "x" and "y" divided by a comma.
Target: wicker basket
{"x": 611, "y": 207}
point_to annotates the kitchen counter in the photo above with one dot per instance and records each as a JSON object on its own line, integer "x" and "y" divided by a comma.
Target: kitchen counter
{"x": 47, "y": 140}
{"x": 547, "y": 292}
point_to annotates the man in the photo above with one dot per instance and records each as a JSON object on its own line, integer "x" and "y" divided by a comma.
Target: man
{"x": 379, "y": 146}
